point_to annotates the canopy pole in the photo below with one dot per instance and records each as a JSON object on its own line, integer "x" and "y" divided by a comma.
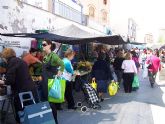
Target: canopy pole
{"x": 82, "y": 53}
{"x": 59, "y": 48}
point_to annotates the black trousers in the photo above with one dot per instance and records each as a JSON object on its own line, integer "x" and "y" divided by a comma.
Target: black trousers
{"x": 127, "y": 82}
{"x": 69, "y": 94}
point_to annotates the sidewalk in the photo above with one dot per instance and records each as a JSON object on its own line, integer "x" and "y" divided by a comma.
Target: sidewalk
{"x": 146, "y": 106}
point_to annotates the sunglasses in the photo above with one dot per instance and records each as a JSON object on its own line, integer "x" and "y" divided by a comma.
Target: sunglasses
{"x": 44, "y": 44}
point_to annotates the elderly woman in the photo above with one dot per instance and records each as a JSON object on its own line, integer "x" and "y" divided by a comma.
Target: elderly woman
{"x": 130, "y": 70}
{"x": 117, "y": 66}
{"x": 17, "y": 76}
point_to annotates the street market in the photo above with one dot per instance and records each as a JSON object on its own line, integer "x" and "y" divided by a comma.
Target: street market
{"x": 81, "y": 62}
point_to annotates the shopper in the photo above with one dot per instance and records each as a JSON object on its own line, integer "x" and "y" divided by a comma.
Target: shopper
{"x": 17, "y": 76}
{"x": 52, "y": 65}
{"x": 68, "y": 74}
{"x": 31, "y": 58}
{"x": 135, "y": 58}
{"x": 117, "y": 66}
{"x": 130, "y": 70}
{"x": 154, "y": 65}
{"x": 101, "y": 73}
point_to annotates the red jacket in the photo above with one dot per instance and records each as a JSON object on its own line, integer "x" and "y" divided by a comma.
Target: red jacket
{"x": 155, "y": 63}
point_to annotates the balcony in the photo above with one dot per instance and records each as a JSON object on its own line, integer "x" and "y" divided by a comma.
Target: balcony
{"x": 68, "y": 12}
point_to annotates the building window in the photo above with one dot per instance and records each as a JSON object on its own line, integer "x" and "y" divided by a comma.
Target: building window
{"x": 105, "y": 2}
{"x": 104, "y": 16}
{"x": 91, "y": 11}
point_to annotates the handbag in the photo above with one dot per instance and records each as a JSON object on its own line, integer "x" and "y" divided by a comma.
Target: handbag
{"x": 56, "y": 90}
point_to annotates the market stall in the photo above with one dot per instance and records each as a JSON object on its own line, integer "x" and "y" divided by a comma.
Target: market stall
{"x": 77, "y": 37}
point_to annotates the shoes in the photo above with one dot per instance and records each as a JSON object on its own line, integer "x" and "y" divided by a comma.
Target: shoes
{"x": 101, "y": 100}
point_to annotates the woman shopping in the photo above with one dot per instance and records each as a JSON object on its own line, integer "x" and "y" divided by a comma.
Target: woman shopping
{"x": 130, "y": 70}
{"x": 52, "y": 66}
{"x": 101, "y": 73}
{"x": 17, "y": 76}
{"x": 68, "y": 74}
{"x": 117, "y": 66}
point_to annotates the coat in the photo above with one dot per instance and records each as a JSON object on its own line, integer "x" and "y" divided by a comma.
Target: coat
{"x": 101, "y": 70}
{"x": 155, "y": 63}
{"x": 18, "y": 76}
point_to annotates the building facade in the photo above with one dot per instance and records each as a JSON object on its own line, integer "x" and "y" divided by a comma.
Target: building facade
{"x": 27, "y": 16}
{"x": 149, "y": 39}
{"x": 98, "y": 13}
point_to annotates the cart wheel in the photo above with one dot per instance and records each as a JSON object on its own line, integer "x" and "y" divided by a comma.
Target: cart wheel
{"x": 84, "y": 109}
{"x": 79, "y": 104}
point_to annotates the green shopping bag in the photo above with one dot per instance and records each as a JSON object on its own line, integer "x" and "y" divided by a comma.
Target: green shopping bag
{"x": 53, "y": 97}
{"x": 135, "y": 84}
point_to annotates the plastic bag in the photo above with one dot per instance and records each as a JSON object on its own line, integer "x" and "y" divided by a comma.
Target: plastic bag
{"x": 56, "y": 90}
{"x": 135, "y": 83}
{"x": 113, "y": 88}
{"x": 94, "y": 85}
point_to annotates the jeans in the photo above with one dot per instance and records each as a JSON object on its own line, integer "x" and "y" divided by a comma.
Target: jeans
{"x": 152, "y": 77}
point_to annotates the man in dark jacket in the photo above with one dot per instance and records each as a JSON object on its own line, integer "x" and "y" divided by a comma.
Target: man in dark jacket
{"x": 17, "y": 76}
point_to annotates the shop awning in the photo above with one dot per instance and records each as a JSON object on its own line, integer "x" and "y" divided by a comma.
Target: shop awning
{"x": 110, "y": 40}
{"x": 136, "y": 43}
{"x": 78, "y": 32}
